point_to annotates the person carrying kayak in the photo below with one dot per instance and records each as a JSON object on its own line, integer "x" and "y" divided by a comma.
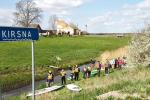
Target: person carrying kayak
{"x": 99, "y": 68}
{"x": 89, "y": 71}
{"x": 50, "y": 79}
{"x": 76, "y": 72}
{"x": 63, "y": 77}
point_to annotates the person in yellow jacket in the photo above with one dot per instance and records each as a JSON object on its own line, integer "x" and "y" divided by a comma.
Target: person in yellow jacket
{"x": 50, "y": 79}
{"x": 63, "y": 77}
{"x": 76, "y": 72}
{"x": 72, "y": 73}
{"x": 89, "y": 71}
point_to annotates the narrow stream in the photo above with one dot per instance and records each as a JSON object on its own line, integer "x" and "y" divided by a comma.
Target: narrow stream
{"x": 28, "y": 88}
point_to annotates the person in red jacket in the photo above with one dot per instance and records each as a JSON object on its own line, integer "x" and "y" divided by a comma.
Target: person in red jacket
{"x": 120, "y": 63}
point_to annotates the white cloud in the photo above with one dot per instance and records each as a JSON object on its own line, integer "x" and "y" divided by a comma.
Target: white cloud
{"x": 144, "y": 4}
{"x": 6, "y": 16}
{"x": 128, "y": 19}
{"x": 59, "y": 4}
{"x": 59, "y": 7}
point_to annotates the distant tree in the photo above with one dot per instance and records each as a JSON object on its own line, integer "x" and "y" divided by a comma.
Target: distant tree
{"x": 139, "y": 52}
{"x": 27, "y": 13}
{"x": 52, "y": 22}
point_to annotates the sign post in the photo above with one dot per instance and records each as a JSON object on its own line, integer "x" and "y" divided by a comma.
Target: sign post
{"x": 0, "y": 92}
{"x": 33, "y": 72}
{"x": 22, "y": 34}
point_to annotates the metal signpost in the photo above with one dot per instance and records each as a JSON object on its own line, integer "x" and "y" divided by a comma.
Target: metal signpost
{"x": 0, "y": 93}
{"x": 21, "y": 34}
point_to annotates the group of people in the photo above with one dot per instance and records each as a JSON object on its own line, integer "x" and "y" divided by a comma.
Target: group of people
{"x": 75, "y": 73}
{"x": 50, "y": 78}
{"x": 87, "y": 69}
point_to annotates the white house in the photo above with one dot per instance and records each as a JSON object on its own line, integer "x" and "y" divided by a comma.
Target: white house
{"x": 65, "y": 28}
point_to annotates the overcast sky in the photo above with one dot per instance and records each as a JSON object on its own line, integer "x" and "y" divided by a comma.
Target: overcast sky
{"x": 99, "y": 15}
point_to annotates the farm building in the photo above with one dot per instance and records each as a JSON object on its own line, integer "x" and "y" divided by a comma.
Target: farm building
{"x": 120, "y": 35}
{"x": 62, "y": 28}
{"x": 43, "y": 32}
{"x": 36, "y": 26}
{"x": 65, "y": 28}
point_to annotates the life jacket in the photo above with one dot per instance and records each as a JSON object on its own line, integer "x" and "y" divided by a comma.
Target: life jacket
{"x": 89, "y": 69}
{"x": 50, "y": 76}
{"x": 72, "y": 71}
{"x": 63, "y": 73}
{"x": 76, "y": 70}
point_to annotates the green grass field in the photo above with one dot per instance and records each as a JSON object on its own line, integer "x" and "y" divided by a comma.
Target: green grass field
{"x": 15, "y": 57}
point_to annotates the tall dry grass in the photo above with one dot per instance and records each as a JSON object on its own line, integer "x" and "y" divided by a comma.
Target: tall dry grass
{"x": 120, "y": 52}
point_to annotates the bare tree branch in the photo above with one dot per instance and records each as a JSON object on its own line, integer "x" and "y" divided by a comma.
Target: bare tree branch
{"x": 27, "y": 13}
{"x": 52, "y": 22}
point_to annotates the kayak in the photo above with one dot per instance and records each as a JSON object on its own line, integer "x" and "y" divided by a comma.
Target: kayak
{"x": 53, "y": 67}
{"x": 94, "y": 72}
{"x": 45, "y": 90}
{"x": 73, "y": 87}
{"x": 69, "y": 78}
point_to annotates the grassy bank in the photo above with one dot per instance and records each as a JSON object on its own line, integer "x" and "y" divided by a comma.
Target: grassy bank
{"x": 128, "y": 81}
{"x": 15, "y": 57}
{"x": 133, "y": 82}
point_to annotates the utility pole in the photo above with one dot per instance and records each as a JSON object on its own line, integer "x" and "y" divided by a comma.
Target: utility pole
{"x": 86, "y": 28}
